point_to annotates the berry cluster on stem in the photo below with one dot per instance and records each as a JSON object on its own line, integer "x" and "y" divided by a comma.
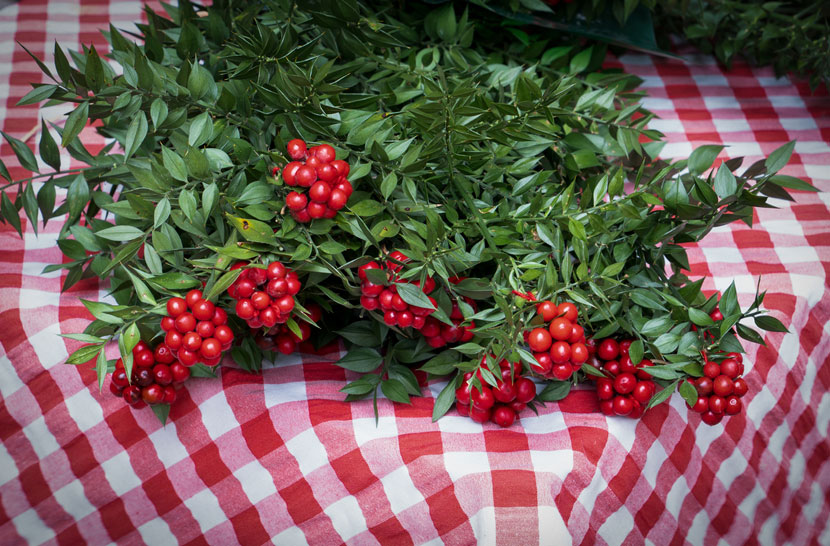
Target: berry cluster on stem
{"x": 154, "y": 376}
{"x": 320, "y": 181}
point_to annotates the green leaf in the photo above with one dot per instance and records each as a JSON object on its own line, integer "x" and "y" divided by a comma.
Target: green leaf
{"x": 161, "y": 213}
{"x": 770, "y": 324}
{"x": 394, "y": 390}
{"x": 703, "y": 157}
{"x": 253, "y": 230}
{"x": 78, "y": 196}
{"x": 94, "y": 70}
{"x": 135, "y": 135}
{"x": 388, "y": 185}
{"x": 445, "y": 400}
{"x": 210, "y": 197}
{"x": 413, "y": 295}
{"x": 792, "y": 183}
{"x": 158, "y": 112}
{"x": 363, "y": 332}
{"x": 779, "y": 158}
{"x": 469, "y": 349}
{"x": 84, "y": 354}
{"x": 662, "y": 395}
{"x": 701, "y": 318}
{"x": 120, "y": 233}
{"x": 101, "y": 368}
{"x": 366, "y": 208}
{"x": 581, "y": 60}
{"x": 728, "y": 304}
{"x": 725, "y": 183}
{"x": 554, "y": 391}
{"x": 442, "y": 364}
{"x": 38, "y": 94}
{"x": 141, "y": 290}
{"x": 361, "y": 359}
{"x": 175, "y": 281}
{"x": 48, "y": 148}
{"x": 688, "y": 392}
{"x": 162, "y": 411}
{"x": 201, "y": 129}
{"x": 635, "y": 351}
{"x": 174, "y": 164}
{"x": 187, "y": 202}
{"x": 10, "y": 213}
{"x": 332, "y": 247}
{"x": 151, "y": 258}
{"x": 74, "y": 123}
{"x": 23, "y": 153}
{"x": 749, "y": 334}
{"x": 577, "y": 229}
{"x": 224, "y": 282}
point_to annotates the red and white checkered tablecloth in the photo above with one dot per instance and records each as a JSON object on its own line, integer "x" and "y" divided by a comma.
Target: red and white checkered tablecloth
{"x": 280, "y": 457}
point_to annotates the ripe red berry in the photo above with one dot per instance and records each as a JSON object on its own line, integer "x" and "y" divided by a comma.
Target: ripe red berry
{"x": 316, "y": 210}
{"x": 173, "y": 340}
{"x": 405, "y": 319}
{"x": 716, "y": 315}
{"x": 142, "y": 376}
{"x": 723, "y": 385}
{"x": 505, "y": 392}
{"x": 187, "y": 357}
{"x": 625, "y": 383}
{"x": 144, "y": 359}
{"x": 162, "y": 374}
{"x": 560, "y": 352}
{"x": 608, "y": 349}
{"x": 711, "y": 418}
{"x": 562, "y": 371}
{"x": 741, "y": 387}
{"x": 119, "y": 379}
{"x": 285, "y": 304}
{"x": 643, "y": 391}
{"x": 192, "y": 341}
{"x": 568, "y": 311}
{"x": 341, "y": 166}
{"x": 345, "y": 186}
{"x": 152, "y": 394}
{"x": 325, "y": 153}
{"x": 131, "y": 394}
{"x": 179, "y": 372}
{"x": 390, "y": 318}
{"x": 260, "y": 300}
{"x": 205, "y": 328}
{"x": 701, "y": 405}
{"x": 451, "y": 334}
{"x": 733, "y": 405}
{"x": 192, "y": 297}
{"x": 296, "y": 148}
{"x": 319, "y": 192}
{"x": 717, "y": 404}
{"x": 525, "y": 390}
{"x": 730, "y": 368}
{"x": 244, "y": 288}
{"x": 539, "y": 340}
{"x": 579, "y": 353}
{"x": 289, "y": 173}
{"x": 141, "y": 346}
{"x": 168, "y": 323}
{"x": 176, "y": 306}
{"x": 605, "y": 388}
{"x": 577, "y": 334}
{"x": 612, "y": 367}
{"x": 483, "y": 398}
{"x": 736, "y": 356}
{"x": 203, "y": 310}
{"x": 296, "y": 201}
{"x": 704, "y": 385}
{"x": 276, "y": 270}
{"x": 245, "y": 309}
{"x": 305, "y": 176}
{"x": 462, "y": 409}
{"x": 503, "y": 416}
{"x": 546, "y": 310}
{"x": 337, "y": 199}
{"x": 543, "y": 363}
{"x": 711, "y": 369}
{"x": 185, "y": 322}
{"x": 162, "y": 354}
{"x": 560, "y": 329}
{"x": 623, "y": 405}
{"x": 285, "y": 344}
{"x": 211, "y": 348}
{"x": 479, "y": 415}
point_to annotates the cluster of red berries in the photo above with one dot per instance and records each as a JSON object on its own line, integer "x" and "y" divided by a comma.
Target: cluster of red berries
{"x": 627, "y": 387}
{"x": 500, "y": 404}
{"x": 559, "y": 346}
{"x": 286, "y": 341}
{"x": 439, "y": 334}
{"x": 720, "y": 389}
{"x": 324, "y": 177}
{"x": 197, "y": 330}
{"x": 155, "y": 372}
{"x": 396, "y": 312}
{"x": 267, "y": 305}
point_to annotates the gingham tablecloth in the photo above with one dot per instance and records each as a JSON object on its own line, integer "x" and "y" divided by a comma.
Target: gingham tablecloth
{"x": 281, "y": 457}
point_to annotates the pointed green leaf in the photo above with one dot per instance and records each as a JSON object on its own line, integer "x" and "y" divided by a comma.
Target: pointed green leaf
{"x": 135, "y": 134}
{"x": 23, "y": 153}
{"x": 75, "y": 123}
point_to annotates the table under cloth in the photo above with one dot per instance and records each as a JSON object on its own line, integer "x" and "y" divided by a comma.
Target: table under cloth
{"x": 280, "y": 456}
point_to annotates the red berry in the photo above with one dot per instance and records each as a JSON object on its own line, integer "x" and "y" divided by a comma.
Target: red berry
{"x": 144, "y": 359}
{"x": 626, "y": 366}
{"x": 723, "y": 385}
{"x": 546, "y": 310}
{"x": 305, "y": 176}
{"x": 560, "y": 352}
{"x": 289, "y": 173}
{"x": 119, "y": 379}
{"x": 562, "y": 372}
{"x": 479, "y": 415}
{"x": 704, "y": 386}
{"x": 503, "y": 416}
{"x": 205, "y": 328}
{"x": 301, "y": 216}
{"x": 390, "y": 318}
{"x": 180, "y": 372}
{"x": 642, "y": 369}
{"x": 326, "y": 173}
{"x": 701, "y": 405}
{"x": 607, "y": 407}
{"x": 131, "y": 394}
{"x": 482, "y": 398}
{"x": 539, "y": 340}
{"x": 223, "y": 334}
{"x": 741, "y": 387}
{"x": 577, "y": 333}
{"x": 405, "y": 319}
{"x": 176, "y": 306}
{"x": 260, "y": 300}
{"x": 341, "y": 167}
{"x": 187, "y": 357}
{"x": 245, "y": 309}
{"x": 296, "y": 148}
{"x": 733, "y": 405}
{"x": 612, "y": 367}
{"x": 568, "y": 311}
{"x": 716, "y": 315}
{"x": 169, "y": 395}
{"x": 173, "y": 340}
{"x": 736, "y": 356}
{"x": 398, "y": 304}
{"x": 142, "y": 376}
{"x": 152, "y": 394}
{"x": 451, "y": 334}
{"x": 717, "y": 404}
{"x": 560, "y": 329}
{"x": 711, "y": 370}
{"x": 431, "y": 328}
{"x": 319, "y": 192}
{"x": 543, "y": 364}
{"x": 192, "y": 341}
{"x": 285, "y": 304}
{"x": 116, "y": 390}
{"x": 605, "y": 388}
{"x": 730, "y": 368}
{"x": 623, "y": 405}
{"x": 185, "y": 323}
{"x": 369, "y": 303}
{"x": 711, "y": 418}
{"x": 211, "y": 348}
{"x": 285, "y": 344}
{"x": 462, "y": 409}
{"x": 168, "y": 323}
{"x": 296, "y": 201}
{"x": 525, "y": 390}
{"x": 505, "y": 392}
{"x": 141, "y": 346}
{"x": 608, "y": 349}
{"x": 337, "y": 199}
{"x": 245, "y": 288}
{"x": 625, "y": 383}
{"x": 162, "y": 374}
{"x": 325, "y": 153}
{"x": 203, "y": 310}
{"x": 643, "y": 391}
{"x": 624, "y": 346}
{"x": 344, "y": 186}
{"x": 316, "y": 210}
{"x": 579, "y": 353}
